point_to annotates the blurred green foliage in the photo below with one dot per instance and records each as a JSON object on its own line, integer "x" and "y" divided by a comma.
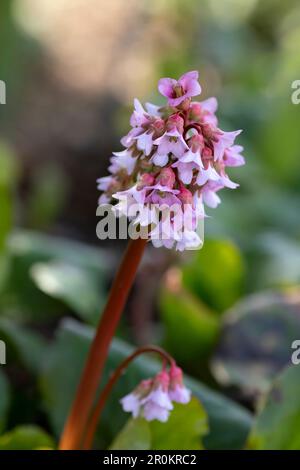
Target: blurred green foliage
{"x": 277, "y": 423}
{"x": 138, "y": 434}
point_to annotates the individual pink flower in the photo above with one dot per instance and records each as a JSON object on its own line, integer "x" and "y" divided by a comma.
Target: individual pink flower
{"x": 222, "y": 141}
{"x": 186, "y": 165}
{"x": 122, "y": 160}
{"x": 139, "y": 116}
{"x": 208, "y": 174}
{"x": 132, "y": 402}
{"x": 233, "y": 157}
{"x": 204, "y": 111}
{"x": 171, "y": 142}
{"x": 177, "y": 391}
{"x": 178, "y": 90}
{"x": 145, "y": 142}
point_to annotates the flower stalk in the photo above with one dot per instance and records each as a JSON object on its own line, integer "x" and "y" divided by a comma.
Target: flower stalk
{"x": 92, "y": 373}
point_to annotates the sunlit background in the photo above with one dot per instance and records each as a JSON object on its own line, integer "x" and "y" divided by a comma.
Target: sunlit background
{"x": 228, "y": 313}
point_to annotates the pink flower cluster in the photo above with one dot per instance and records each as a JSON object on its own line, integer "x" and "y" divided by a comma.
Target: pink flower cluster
{"x": 153, "y": 398}
{"x": 174, "y": 156}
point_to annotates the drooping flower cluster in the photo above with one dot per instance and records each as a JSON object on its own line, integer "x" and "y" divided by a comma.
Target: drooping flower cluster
{"x": 153, "y": 398}
{"x": 175, "y": 157}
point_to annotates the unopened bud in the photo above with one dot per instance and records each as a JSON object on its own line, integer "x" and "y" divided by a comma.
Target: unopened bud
{"x": 166, "y": 177}
{"x": 185, "y": 196}
{"x": 196, "y": 142}
{"x": 175, "y": 122}
{"x": 145, "y": 180}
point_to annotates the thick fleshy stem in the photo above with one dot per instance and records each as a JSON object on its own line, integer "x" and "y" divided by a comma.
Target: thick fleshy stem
{"x": 91, "y": 377}
{"x": 96, "y": 414}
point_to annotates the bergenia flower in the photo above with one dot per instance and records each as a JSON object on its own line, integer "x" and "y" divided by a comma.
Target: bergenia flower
{"x": 177, "y": 391}
{"x": 174, "y": 156}
{"x": 152, "y": 398}
{"x": 177, "y": 91}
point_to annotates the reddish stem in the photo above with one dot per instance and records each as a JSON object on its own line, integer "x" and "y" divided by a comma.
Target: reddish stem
{"x": 93, "y": 422}
{"x": 91, "y": 377}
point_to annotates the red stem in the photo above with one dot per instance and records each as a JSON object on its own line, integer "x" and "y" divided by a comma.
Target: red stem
{"x": 93, "y": 422}
{"x": 91, "y": 377}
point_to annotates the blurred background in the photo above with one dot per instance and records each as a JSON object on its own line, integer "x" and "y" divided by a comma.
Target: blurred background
{"x": 228, "y": 313}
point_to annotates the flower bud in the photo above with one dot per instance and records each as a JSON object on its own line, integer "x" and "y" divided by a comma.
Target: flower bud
{"x": 146, "y": 179}
{"x": 185, "y": 196}
{"x": 166, "y": 177}
{"x": 196, "y": 143}
{"x": 175, "y": 122}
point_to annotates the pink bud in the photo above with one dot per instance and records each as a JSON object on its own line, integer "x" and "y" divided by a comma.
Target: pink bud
{"x": 146, "y": 179}
{"x": 195, "y": 112}
{"x": 166, "y": 177}
{"x": 178, "y": 392}
{"x": 196, "y": 142}
{"x": 209, "y": 131}
{"x": 159, "y": 127}
{"x": 175, "y": 122}
{"x": 207, "y": 152}
{"x": 162, "y": 380}
{"x": 185, "y": 196}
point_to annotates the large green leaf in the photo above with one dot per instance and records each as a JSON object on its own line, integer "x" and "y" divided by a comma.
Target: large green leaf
{"x": 22, "y": 298}
{"x": 255, "y": 344}
{"x": 216, "y": 274}
{"x": 229, "y": 423}
{"x": 26, "y": 438}
{"x": 191, "y": 329}
{"x": 24, "y": 345}
{"x": 190, "y": 422}
{"x": 72, "y": 284}
{"x": 278, "y": 422}
{"x": 135, "y": 435}
{"x": 279, "y": 260}
{"x": 4, "y": 400}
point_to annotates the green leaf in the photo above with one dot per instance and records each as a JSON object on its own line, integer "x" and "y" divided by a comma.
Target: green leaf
{"x": 34, "y": 247}
{"x": 184, "y": 316}
{"x": 229, "y": 423}
{"x": 26, "y": 346}
{"x": 255, "y": 344}
{"x": 279, "y": 263}
{"x": 190, "y": 422}
{"x": 4, "y": 400}
{"x": 216, "y": 274}
{"x": 26, "y": 438}
{"x": 136, "y": 435}
{"x": 22, "y": 298}
{"x": 72, "y": 284}
{"x": 278, "y": 421}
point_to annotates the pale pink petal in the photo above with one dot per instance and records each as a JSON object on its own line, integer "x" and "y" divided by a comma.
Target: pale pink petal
{"x": 180, "y": 394}
{"x": 131, "y": 403}
{"x": 153, "y": 411}
{"x": 166, "y": 87}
